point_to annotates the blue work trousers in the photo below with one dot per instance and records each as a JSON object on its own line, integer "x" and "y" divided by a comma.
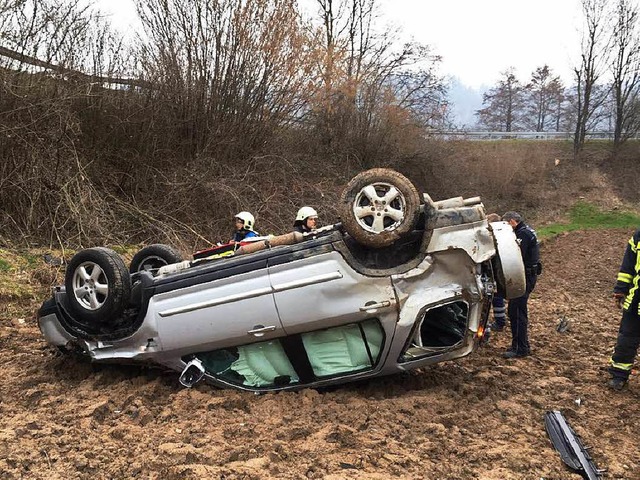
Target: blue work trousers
{"x": 499, "y": 311}
{"x": 519, "y": 318}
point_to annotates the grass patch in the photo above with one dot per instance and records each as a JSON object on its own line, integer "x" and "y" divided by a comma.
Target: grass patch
{"x": 25, "y": 276}
{"x": 32, "y": 260}
{"x": 585, "y": 216}
{"x": 4, "y": 266}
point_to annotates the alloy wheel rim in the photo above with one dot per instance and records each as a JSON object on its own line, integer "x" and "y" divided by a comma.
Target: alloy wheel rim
{"x": 379, "y": 207}
{"x": 90, "y": 286}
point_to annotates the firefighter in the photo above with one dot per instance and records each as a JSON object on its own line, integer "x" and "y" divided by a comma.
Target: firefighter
{"x": 244, "y": 223}
{"x": 306, "y": 220}
{"x": 517, "y": 310}
{"x": 625, "y": 294}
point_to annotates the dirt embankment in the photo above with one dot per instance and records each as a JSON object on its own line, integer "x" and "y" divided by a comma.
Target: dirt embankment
{"x": 480, "y": 418}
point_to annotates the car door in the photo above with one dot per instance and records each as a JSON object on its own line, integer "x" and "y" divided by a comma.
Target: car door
{"x": 209, "y": 308}
{"x": 322, "y": 291}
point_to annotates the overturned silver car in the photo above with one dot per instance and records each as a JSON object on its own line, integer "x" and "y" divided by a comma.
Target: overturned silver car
{"x": 402, "y": 282}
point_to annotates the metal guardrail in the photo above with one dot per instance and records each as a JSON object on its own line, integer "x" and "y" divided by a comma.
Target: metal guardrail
{"x": 479, "y": 135}
{"x": 61, "y": 70}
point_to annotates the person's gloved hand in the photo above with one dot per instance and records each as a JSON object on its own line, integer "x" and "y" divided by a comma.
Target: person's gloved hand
{"x": 618, "y": 298}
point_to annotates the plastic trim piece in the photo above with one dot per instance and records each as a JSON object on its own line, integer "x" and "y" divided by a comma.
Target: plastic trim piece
{"x": 569, "y": 445}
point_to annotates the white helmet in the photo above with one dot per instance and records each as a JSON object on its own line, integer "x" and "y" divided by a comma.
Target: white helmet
{"x": 304, "y": 213}
{"x": 247, "y": 220}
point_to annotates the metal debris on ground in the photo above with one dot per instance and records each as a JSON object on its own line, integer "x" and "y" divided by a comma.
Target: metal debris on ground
{"x": 563, "y": 325}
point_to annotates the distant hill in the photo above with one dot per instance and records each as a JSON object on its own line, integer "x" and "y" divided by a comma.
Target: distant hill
{"x": 464, "y": 101}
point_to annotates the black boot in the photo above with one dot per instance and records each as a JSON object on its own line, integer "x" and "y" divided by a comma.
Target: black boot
{"x": 617, "y": 383}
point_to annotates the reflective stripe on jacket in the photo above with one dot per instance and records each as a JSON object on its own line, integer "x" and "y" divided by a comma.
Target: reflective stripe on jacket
{"x": 629, "y": 275}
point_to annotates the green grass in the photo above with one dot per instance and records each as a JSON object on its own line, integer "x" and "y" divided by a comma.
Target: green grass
{"x": 4, "y": 266}
{"x": 32, "y": 260}
{"x": 584, "y": 216}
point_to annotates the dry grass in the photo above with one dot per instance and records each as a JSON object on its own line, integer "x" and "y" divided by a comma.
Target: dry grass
{"x": 25, "y": 278}
{"x": 190, "y": 206}
{"x": 539, "y": 178}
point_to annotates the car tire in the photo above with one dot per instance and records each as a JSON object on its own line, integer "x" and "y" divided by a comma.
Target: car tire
{"x": 98, "y": 286}
{"x": 153, "y": 257}
{"x": 379, "y": 206}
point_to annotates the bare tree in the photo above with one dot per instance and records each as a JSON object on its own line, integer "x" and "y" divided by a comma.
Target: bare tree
{"x": 421, "y": 90}
{"x": 349, "y": 39}
{"x": 49, "y": 107}
{"x": 625, "y": 71}
{"x": 560, "y": 119}
{"x": 543, "y": 98}
{"x": 503, "y": 104}
{"x": 229, "y": 71}
{"x": 370, "y": 87}
{"x": 592, "y": 63}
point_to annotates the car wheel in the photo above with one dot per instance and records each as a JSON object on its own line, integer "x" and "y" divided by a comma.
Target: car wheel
{"x": 379, "y": 206}
{"x": 98, "y": 285}
{"x": 153, "y": 257}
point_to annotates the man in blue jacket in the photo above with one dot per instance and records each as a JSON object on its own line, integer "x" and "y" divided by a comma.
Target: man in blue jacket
{"x": 625, "y": 294}
{"x": 517, "y": 310}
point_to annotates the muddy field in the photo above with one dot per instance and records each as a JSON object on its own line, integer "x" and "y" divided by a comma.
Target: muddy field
{"x": 478, "y": 418}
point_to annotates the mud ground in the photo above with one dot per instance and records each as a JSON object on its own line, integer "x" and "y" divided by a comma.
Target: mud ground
{"x": 477, "y": 418}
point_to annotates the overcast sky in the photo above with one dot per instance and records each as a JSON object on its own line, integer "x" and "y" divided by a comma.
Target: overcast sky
{"x": 477, "y": 39}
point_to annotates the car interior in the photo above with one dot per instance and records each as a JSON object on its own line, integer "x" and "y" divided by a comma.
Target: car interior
{"x": 324, "y": 353}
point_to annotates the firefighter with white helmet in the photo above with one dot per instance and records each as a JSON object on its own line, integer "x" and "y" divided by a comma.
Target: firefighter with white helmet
{"x": 244, "y": 223}
{"x": 306, "y": 220}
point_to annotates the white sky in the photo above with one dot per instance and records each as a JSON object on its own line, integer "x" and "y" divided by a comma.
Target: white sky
{"x": 478, "y": 39}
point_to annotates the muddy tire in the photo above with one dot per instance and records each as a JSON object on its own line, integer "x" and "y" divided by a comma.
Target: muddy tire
{"x": 153, "y": 257}
{"x": 98, "y": 286}
{"x": 379, "y": 206}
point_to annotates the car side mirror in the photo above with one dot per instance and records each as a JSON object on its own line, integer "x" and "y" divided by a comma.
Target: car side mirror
{"x": 192, "y": 373}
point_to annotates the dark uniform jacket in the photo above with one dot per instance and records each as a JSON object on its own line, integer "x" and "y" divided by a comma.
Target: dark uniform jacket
{"x": 300, "y": 227}
{"x": 242, "y": 234}
{"x": 529, "y": 247}
{"x": 629, "y": 274}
